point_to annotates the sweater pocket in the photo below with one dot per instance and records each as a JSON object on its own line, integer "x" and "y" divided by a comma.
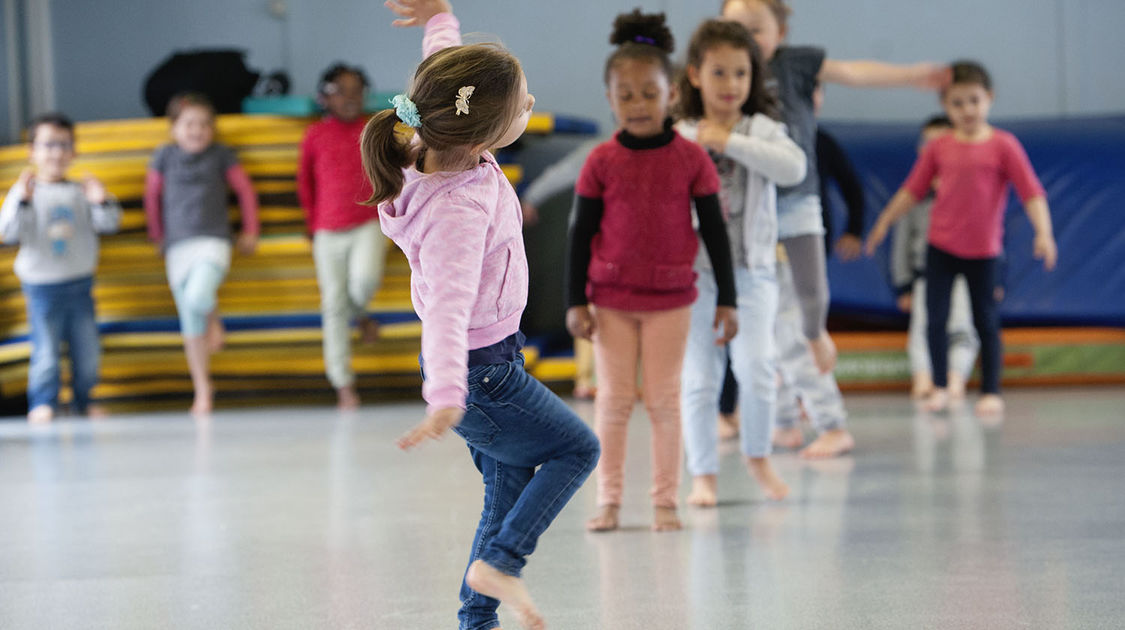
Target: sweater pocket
{"x": 508, "y": 302}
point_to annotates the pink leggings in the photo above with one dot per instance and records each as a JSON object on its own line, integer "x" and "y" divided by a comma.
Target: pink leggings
{"x": 657, "y": 341}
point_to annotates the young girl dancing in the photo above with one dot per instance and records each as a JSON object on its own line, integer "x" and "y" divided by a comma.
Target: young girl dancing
{"x": 974, "y": 166}
{"x": 444, "y": 200}
{"x": 185, "y": 203}
{"x": 728, "y": 111}
{"x": 631, "y": 252}
{"x": 801, "y": 228}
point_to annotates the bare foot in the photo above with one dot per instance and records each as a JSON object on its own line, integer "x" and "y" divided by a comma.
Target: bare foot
{"x": 728, "y": 426}
{"x": 368, "y": 329}
{"x": 922, "y": 386}
{"x": 829, "y": 444}
{"x": 585, "y": 391}
{"x": 41, "y": 414}
{"x": 824, "y": 352}
{"x": 216, "y": 333}
{"x": 990, "y": 405}
{"x": 665, "y": 519}
{"x": 788, "y": 437}
{"x": 774, "y": 488}
{"x": 96, "y": 412}
{"x": 347, "y": 399}
{"x": 509, "y": 589}
{"x": 938, "y": 400}
{"x": 605, "y": 520}
{"x": 956, "y": 386}
{"x": 704, "y": 491}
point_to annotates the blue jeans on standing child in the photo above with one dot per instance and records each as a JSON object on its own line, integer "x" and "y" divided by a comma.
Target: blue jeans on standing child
{"x": 57, "y": 313}
{"x": 513, "y": 424}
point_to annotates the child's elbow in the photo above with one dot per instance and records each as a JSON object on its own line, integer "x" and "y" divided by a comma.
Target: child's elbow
{"x": 794, "y": 173}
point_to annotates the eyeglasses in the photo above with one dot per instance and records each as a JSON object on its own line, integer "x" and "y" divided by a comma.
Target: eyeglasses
{"x": 61, "y": 145}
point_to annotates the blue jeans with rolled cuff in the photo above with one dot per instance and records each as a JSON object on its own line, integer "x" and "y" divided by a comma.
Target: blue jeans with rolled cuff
{"x": 533, "y": 454}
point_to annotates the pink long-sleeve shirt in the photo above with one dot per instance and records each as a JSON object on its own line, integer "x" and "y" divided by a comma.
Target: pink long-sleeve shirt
{"x": 967, "y": 219}
{"x": 462, "y": 235}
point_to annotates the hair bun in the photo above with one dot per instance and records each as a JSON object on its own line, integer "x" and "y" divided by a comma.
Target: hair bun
{"x": 642, "y": 28}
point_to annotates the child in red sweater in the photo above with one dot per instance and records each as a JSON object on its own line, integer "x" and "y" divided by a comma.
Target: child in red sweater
{"x": 632, "y": 247}
{"x": 348, "y": 247}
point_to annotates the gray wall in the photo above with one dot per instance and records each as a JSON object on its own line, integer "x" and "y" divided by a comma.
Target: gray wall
{"x": 1048, "y": 58}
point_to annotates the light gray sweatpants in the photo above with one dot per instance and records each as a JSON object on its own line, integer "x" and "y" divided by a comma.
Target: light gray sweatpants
{"x": 800, "y": 378}
{"x": 349, "y": 269}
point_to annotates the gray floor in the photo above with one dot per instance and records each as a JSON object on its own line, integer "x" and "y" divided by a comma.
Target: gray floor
{"x": 303, "y": 518}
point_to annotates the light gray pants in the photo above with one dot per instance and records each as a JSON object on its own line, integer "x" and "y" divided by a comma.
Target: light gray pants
{"x": 963, "y": 340}
{"x": 800, "y": 378}
{"x": 349, "y": 269}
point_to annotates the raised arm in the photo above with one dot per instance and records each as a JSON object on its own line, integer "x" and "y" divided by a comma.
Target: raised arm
{"x": 17, "y": 217}
{"x": 868, "y": 73}
{"x": 440, "y": 33}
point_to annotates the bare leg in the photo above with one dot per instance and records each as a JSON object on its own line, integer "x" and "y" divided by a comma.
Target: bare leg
{"x": 938, "y": 399}
{"x": 728, "y": 425}
{"x": 198, "y": 354}
{"x": 956, "y": 385}
{"x": 990, "y": 405}
{"x": 368, "y": 329}
{"x": 923, "y": 385}
{"x": 510, "y": 590}
{"x": 216, "y": 333}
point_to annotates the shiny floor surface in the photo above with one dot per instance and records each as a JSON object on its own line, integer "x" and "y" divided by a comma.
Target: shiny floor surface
{"x": 305, "y": 518}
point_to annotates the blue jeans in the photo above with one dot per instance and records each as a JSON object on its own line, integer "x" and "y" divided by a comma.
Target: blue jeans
{"x": 513, "y": 424}
{"x": 57, "y": 313}
{"x": 753, "y": 357}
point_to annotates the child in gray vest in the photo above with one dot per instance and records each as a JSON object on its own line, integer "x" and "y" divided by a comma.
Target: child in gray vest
{"x": 186, "y": 191}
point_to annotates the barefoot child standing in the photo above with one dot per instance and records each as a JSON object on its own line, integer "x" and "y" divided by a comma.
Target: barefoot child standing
{"x": 728, "y": 111}
{"x": 974, "y": 165}
{"x": 632, "y": 247}
{"x": 445, "y": 202}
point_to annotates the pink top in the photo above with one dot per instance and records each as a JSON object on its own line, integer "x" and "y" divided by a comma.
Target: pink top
{"x": 967, "y": 219}
{"x": 462, "y": 233}
{"x": 330, "y": 181}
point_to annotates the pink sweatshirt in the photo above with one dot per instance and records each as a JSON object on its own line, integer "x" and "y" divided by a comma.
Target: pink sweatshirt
{"x": 462, "y": 235}
{"x": 967, "y": 219}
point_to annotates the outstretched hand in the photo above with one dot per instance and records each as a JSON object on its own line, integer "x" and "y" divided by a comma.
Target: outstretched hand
{"x": 875, "y": 238}
{"x": 933, "y": 76}
{"x": 416, "y": 12}
{"x": 432, "y": 428}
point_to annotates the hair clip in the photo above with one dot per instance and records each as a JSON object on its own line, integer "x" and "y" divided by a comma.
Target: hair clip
{"x": 641, "y": 39}
{"x": 406, "y": 110}
{"x": 462, "y": 101}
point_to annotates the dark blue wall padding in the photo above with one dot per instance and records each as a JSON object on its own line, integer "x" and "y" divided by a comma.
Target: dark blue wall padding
{"x": 1081, "y": 162}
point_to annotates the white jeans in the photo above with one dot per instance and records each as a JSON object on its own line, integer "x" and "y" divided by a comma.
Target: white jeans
{"x": 349, "y": 269}
{"x": 753, "y": 359}
{"x": 963, "y": 340}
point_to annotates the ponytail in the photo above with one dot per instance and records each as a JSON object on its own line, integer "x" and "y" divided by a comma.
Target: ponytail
{"x": 385, "y": 151}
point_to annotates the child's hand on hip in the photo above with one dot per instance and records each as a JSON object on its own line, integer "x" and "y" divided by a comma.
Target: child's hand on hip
{"x": 416, "y": 12}
{"x": 726, "y": 324}
{"x": 580, "y": 322}
{"x": 432, "y": 428}
{"x": 1046, "y": 250}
